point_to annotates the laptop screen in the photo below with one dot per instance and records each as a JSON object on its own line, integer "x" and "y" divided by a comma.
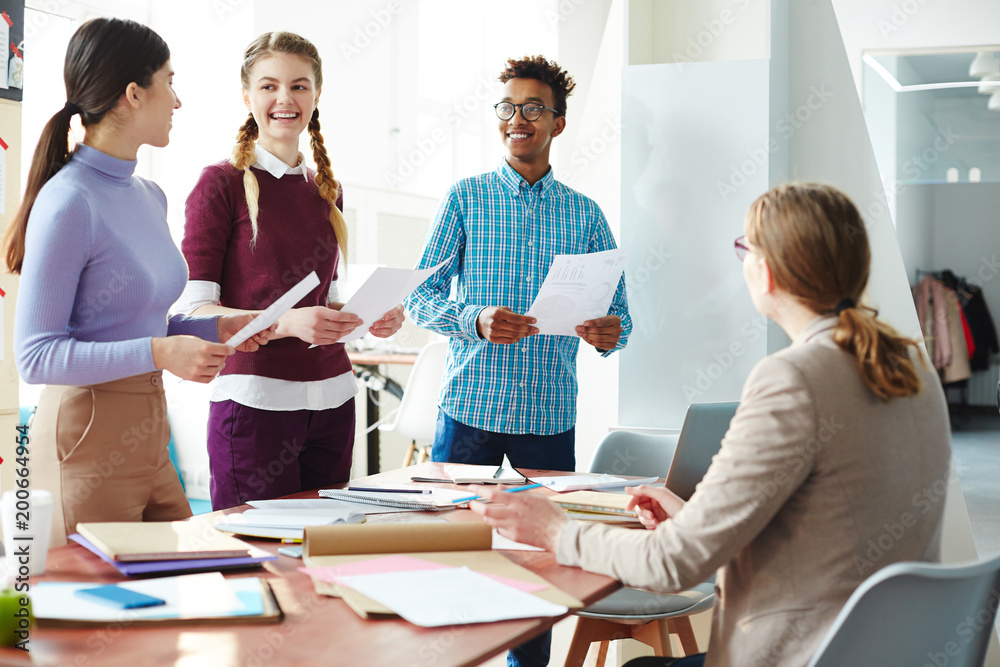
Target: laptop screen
{"x": 700, "y": 440}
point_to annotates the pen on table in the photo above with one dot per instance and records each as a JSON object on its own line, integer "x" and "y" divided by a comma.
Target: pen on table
{"x": 511, "y": 490}
{"x": 379, "y": 490}
{"x": 499, "y": 470}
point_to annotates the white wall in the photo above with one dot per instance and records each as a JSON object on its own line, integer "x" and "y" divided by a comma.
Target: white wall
{"x": 965, "y": 234}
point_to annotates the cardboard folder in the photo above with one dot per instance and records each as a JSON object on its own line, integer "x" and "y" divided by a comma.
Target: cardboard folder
{"x": 453, "y": 544}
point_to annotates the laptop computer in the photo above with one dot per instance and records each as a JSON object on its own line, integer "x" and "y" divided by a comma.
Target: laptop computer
{"x": 699, "y": 441}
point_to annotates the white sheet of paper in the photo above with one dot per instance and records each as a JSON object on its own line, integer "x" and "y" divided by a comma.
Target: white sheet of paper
{"x": 585, "y": 482}
{"x": 282, "y": 305}
{"x": 291, "y": 518}
{"x": 207, "y": 593}
{"x": 577, "y": 288}
{"x": 450, "y": 596}
{"x": 384, "y": 290}
{"x": 322, "y": 503}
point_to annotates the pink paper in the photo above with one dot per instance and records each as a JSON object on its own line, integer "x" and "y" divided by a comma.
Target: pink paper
{"x": 400, "y": 563}
{"x": 382, "y": 565}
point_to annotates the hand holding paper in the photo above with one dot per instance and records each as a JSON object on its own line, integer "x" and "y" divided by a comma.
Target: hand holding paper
{"x": 281, "y": 306}
{"x": 319, "y": 325}
{"x": 503, "y": 326}
{"x": 389, "y": 324}
{"x": 230, "y": 325}
{"x": 603, "y": 333}
{"x": 384, "y": 289}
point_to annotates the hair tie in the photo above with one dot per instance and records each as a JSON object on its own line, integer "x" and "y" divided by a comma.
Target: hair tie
{"x": 844, "y": 305}
{"x": 71, "y": 108}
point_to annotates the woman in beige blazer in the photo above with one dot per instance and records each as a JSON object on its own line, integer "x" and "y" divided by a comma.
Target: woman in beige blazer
{"x": 835, "y": 465}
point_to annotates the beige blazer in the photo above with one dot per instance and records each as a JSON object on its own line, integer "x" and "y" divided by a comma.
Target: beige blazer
{"x": 818, "y": 484}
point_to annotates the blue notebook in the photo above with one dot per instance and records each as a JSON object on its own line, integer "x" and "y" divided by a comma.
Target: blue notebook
{"x": 157, "y": 567}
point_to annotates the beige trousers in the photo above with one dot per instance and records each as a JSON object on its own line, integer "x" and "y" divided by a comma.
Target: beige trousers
{"x": 101, "y": 451}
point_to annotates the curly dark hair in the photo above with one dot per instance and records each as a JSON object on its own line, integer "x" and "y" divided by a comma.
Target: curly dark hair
{"x": 544, "y": 70}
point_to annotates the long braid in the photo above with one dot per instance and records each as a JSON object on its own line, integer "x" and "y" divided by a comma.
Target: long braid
{"x": 245, "y": 155}
{"x": 328, "y": 186}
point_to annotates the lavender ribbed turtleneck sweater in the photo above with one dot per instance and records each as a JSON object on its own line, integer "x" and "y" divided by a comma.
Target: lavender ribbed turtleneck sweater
{"x": 100, "y": 271}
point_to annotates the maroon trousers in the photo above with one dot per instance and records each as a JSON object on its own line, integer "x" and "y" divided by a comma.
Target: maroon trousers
{"x": 261, "y": 454}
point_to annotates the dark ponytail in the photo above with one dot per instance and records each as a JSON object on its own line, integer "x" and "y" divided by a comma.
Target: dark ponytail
{"x": 103, "y": 57}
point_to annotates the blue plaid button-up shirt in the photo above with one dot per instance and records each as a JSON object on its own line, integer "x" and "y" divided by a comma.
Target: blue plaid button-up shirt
{"x": 501, "y": 235}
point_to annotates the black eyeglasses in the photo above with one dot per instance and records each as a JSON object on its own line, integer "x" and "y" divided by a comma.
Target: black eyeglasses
{"x": 530, "y": 111}
{"x": 741, "y": 247}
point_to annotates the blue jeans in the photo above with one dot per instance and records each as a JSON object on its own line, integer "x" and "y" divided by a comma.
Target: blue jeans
{"x": 455, "y": 442}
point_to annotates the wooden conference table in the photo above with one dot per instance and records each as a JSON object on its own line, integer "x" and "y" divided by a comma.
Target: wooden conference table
{"x": 317, "y": 630}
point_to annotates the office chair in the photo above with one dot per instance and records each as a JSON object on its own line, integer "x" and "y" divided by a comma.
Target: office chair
{"x": 916, "y": 614}
{"x": 629, "y": 612}
{"x": 416, "y": 417}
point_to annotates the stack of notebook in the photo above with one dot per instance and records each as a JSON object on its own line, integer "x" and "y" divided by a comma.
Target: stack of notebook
{"x": 166, "y": 547}
{"x": 597, "y": 506}
{"x": 284, "y": 524}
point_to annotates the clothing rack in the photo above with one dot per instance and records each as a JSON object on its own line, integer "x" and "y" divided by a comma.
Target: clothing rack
{"x": 957, "y": 283}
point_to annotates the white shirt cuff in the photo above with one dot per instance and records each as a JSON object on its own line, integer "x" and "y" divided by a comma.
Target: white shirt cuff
{"x": 197, "y": 293}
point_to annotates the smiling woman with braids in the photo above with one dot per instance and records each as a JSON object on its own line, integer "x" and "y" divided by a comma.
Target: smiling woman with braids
{"x": 256, "y": 225}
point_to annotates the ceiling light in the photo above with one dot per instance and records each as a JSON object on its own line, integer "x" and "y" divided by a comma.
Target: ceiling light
{"x": 989, "y": 84}
{"x": 985, "y": 62}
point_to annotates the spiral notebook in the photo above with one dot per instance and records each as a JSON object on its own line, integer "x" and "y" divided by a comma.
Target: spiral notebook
{"x": 435, "y": 501}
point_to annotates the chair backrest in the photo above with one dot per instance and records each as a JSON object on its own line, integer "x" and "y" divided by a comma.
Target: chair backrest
{"x": 700, "y": 440}
{"x": 639, "y": 454}
{"x": 416, "y": 418}
{"x": 916, "y": 614}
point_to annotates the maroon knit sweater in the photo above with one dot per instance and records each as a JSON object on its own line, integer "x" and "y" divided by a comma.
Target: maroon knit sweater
{"x": 294, "y": 237}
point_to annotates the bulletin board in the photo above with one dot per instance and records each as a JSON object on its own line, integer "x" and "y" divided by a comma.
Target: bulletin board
{"x": 11, "y": 49}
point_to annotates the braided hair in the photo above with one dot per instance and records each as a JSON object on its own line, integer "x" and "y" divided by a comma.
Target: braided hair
{"x": 244, "y": 154}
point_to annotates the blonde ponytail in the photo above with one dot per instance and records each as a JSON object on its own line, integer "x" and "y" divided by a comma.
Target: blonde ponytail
{"x": 882, "y": 354}
{"x": 244, "y": 155}
{"x": 328, "y": 186}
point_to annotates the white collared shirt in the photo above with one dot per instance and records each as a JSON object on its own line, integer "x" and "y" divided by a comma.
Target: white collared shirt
{"x": 253, "y": 390}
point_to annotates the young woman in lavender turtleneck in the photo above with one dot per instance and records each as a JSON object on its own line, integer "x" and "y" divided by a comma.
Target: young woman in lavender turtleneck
{"x": 98, "y": 273}
{"x": 280, "y": 421}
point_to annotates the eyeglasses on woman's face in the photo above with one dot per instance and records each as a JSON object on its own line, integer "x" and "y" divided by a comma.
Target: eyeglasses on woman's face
{"x": 741, "y": 247}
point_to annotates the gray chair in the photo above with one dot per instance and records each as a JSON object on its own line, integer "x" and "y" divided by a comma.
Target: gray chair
{"x": 647, "y": 617}
{"x": 916, "y": 614}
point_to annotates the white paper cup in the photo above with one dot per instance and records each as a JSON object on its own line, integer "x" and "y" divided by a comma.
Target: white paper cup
{"x": 26, "y": 522}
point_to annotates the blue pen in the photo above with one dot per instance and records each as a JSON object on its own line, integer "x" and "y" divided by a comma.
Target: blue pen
{"x": 512, "y": 490}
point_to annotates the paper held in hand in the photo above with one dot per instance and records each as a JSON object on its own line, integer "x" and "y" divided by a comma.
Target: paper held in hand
{"x": 384, "y": 290}
{"x": 282, "y": 305}
{"x": 577, "y": 288}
